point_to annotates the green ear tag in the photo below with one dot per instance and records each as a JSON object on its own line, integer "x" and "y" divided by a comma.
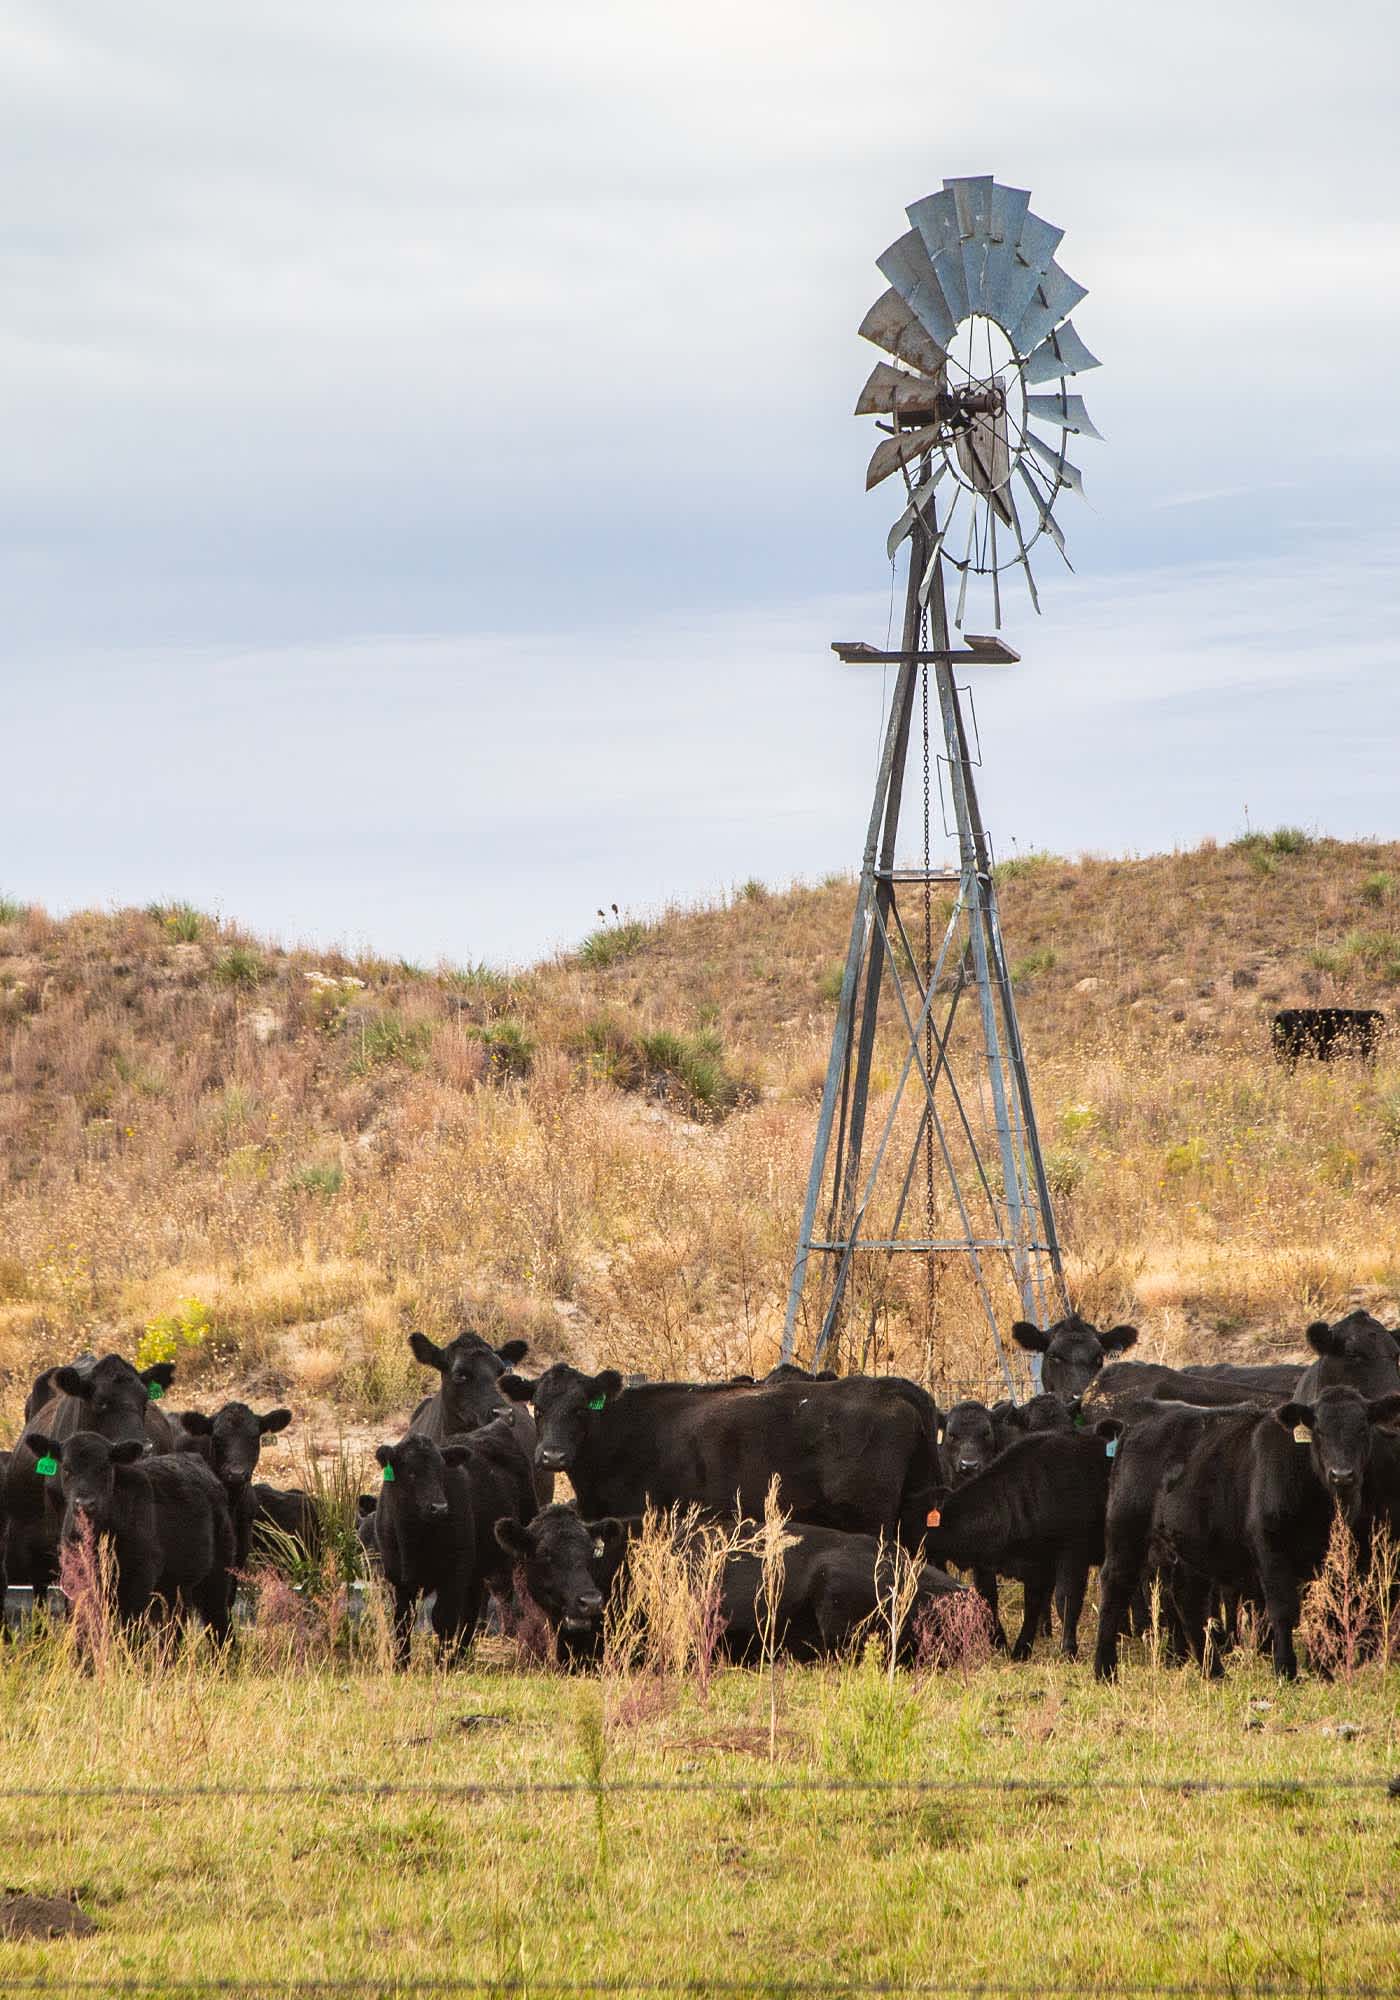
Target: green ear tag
{"x": 154, "y": 1392}
{"x": 597, "y": 1402}
{"x": 388, "y": 1472}
{"x": 46, "y": 1466}
{"x": 1110, "y": 1450}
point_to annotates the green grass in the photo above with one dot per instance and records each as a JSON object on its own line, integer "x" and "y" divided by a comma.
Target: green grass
{"x": 1057, "y": 1883}
{"x": 510, "y": 1048}
{"x": 388, "y": 1038}
{"x": 11, "y": 911}
{"x": 614, "y": 942}
{"x": 240, "y": 965}
{"x": 1032, "y": 965}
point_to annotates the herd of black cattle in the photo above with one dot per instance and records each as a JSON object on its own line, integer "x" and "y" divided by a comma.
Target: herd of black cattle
{"x": 1221, "y": 1483}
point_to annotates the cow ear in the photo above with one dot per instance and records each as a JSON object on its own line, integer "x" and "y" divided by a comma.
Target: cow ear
{"x": 1322, "y": 1340}
{"x": 607, "y": 1383}
{"x": 1030, "y": 1337}
{"x": 455, "y": 1454}
{"x": 1118, "y": 1339}
{"x": 514, "y": 1537}
{"x": 196, "y": 1423}
{"x": 1110, "y": 1428}
{"x": 72, "y": 1382}
{"x": 160, "y": 1373}
{"x": 42, "y": 1445}
{"x": 383, "y": 1453}
{"x": 610, "y": 1531}
{"x": 826, "y": 1375}
{"x": 1384, "y": 1409}
{"x": 1292, "y": 1415}
{"x": 517, "y": 1388}
{"x": 275, "y": 1420}
{"x": 512, "y": 1351}
{"x": 128, "y": 1451}
{"x": 427, "y": 1351}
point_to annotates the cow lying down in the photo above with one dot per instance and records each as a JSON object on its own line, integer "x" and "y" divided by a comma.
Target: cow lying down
{"x": 832, "y": 1583}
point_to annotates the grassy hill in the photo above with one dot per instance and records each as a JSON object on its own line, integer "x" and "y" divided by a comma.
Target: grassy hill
{"x": 274, "y": 1163}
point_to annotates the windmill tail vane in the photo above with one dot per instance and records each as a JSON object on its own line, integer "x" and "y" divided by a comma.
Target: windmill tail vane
{"x": 927, "y": 1154}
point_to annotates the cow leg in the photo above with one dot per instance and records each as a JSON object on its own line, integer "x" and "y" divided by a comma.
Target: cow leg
{"x": 1125, "y": 1556}
{"x": 405, "y": 1602}
{"x": 455, "y": 1614}
{"x": 1037, "y": 1592}
{"x": 1071, "y": 1582}
{"x": 984, "y": 1582}
{"x": 1281, "y": 1598}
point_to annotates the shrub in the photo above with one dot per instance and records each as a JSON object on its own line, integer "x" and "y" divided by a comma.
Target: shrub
{"x": 696, "y": 1063}
{"x": 1378, "y": 888}
{"x": 187, "y": 1325}
{"x": 1289, "y": 840}
{"x": 605, "y": 947}
{"x": 386, "y": 1038}
{"x": 754, "y": 891}
{"x": 1064, "y": 1170}
{"x": 510, "y": 1050}
{"x": 10, "y": 911}
{"x": 1187, "y": 1158}
{"x": 1378, "y": 951}
{"x": 180, "y": 921}
{"x": 829, "y": 982}
{"x": 1032, "y": 965}
{"x": 240, "y": 965}
{"x": 1022, "y": 864}
{"x": 325, "y": 1179}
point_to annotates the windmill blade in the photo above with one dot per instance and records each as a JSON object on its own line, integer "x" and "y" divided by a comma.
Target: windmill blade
{"x": 935, "y": 554}
{"x": 984, "y": 453}
{"x": 890, "y": 324}
{"x": 917, "y": 506}
{"x": 1046, "y": 522}
{"x": 904, "y": 449}
{"x": 936, "y": 219}
{"x": 1055, "y": 298}
{"x": 1035, "y": 251}
{"x": 1009, "y": 207}
{"x": 972, "y": 197}
{"x": 1060, "y": 353}
{"x": 1066, "y": 412}
{"x": 1024, "y": 557}
{"x": 906, "y": 265}
{"x": 1065, "y": 473}
{"x": 893, "y": 389}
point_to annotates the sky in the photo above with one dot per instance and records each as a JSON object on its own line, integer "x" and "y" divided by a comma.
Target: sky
{"x": 429, "y": 489}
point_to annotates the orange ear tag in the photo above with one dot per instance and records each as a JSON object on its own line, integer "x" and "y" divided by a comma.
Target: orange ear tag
{"x": 934, "y": 1518}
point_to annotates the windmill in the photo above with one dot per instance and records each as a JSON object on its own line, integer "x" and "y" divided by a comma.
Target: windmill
{"x": 926, "y": 1142}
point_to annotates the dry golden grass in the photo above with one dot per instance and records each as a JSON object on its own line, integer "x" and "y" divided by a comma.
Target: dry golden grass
{"x": 607, "y": 1153}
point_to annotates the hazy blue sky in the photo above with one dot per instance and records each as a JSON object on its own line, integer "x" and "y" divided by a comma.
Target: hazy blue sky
{"x": 429, "y": 489}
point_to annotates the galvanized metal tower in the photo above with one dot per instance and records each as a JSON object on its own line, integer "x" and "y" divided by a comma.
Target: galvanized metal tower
{"x": 926, "y": 1143}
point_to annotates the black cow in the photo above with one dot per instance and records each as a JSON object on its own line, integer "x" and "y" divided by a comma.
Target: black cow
{"x": 967, "y": 1442}
{"x": 292, "y": 1511}
{"x": 1129, "y": 1388}
{"x": 108, "y": 1397}
{"x": 501, "y": 1484}
{"x": 858, "y": 1454}
{"x": 425, "y": 1528}
{"x": 1240, "y": 1501}
{"x": 164, "y": 1517}
{"x": 1036, "y": 1514}
{"x": 43, "y": 1389}
{"x": 1074, "y": 1351}
{"x": 1357, "y": 1352}
{"x": 471, "y": 1370}
{"x": 230, "y": 1444}
{"x": 1045, "y": 1412}
{"x": 366, "y": 1531}
{"x": 831, "y": 1584}
{"x": 1320, "y": 1033}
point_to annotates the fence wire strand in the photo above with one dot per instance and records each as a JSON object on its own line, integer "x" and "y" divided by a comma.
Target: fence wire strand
{"x": 731, "y": 1989}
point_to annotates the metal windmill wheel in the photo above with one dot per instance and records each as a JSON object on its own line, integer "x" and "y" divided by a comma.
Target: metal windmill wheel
{"x": 975, "y": 321}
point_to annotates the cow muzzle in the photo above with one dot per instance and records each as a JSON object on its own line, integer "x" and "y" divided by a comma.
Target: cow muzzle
{"x": 548, "y": 1459}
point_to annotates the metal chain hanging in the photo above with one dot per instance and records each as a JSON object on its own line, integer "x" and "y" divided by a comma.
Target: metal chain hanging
{"x": 931, "y": 1260}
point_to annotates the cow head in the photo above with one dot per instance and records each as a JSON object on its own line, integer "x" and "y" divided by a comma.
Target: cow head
{"x": 1074, "y": 1351}
{"x": 87, "y": 1473}
{"x": 235, "y": 1436}
{"x": 566, "y": 1403}
{"x": 966, "y": 1442}
{"x": 1038, "y": 1413}
{"x": 1357, "y": 1352}
{"x": 415, "y": 1472}
{"x": 471, "y": 1370}
{"x": 566, "y": 1561}
{"x": 1339, "y": 1427}
{"x": 114, "y": 1395}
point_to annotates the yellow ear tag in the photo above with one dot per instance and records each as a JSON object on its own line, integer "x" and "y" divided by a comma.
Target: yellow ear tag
{"x": 600, "y": 1548}
{"x": 1301, "y": 1434}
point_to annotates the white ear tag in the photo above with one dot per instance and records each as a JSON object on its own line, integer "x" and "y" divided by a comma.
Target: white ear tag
{"x": 600, "y": 1548}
